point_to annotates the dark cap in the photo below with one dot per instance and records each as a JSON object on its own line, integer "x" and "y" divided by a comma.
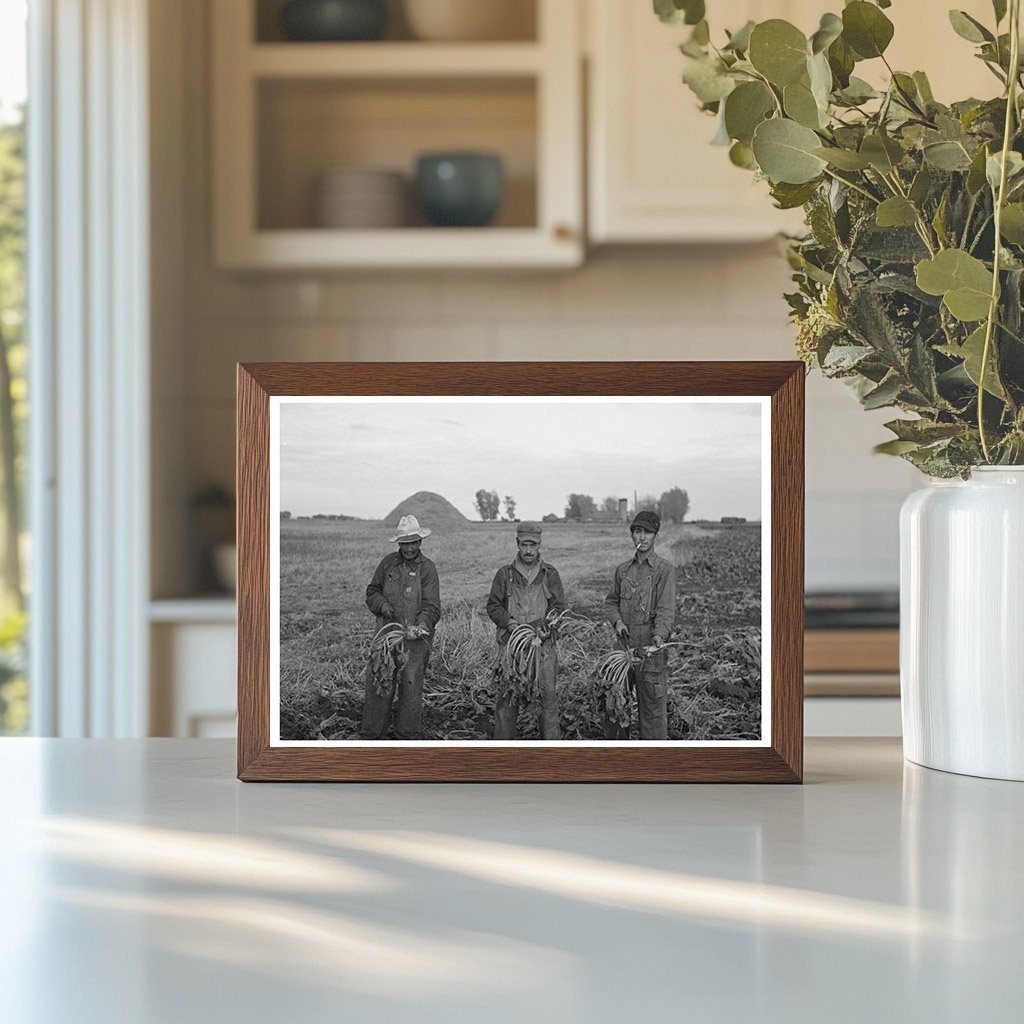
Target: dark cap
{"x": 528, "y": 530}
{"x": 646, "y": 520}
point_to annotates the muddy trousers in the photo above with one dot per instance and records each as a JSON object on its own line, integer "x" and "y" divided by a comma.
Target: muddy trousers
{"x": 652, "y": 701}
{"x": 409, "y": 713}
{"x": 506, "y": 707}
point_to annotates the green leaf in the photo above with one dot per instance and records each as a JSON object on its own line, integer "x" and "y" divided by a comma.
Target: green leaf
{"x": 866, "y": 29}
{"x": 1011, "y": 225}
{"x": 844, "y": 159}
{"x": 707, "y": 80}
{"x": 895, "y": 447}
{"x": 968, "y": 28}
{"x": 785, "y": 152}
{"x": 1014, "y": 169}
{"x": 939, "y": 220}
{"x": 946, "y": 156}
{"x": 896, "y": 212}
{"x": 885, "y": 394}
{"x": 924, "y": 88}
{"x": 841, "y": 60}
{"x": 742, "y": 155}
{"x": 800, "y": 105}
{"x": 923, "y": 431}
{"x": 883, "y": 153}
{"x": 820, "y": 76}
{"x": 829, "y": 30}
{"x": 675, "y": 12}
{"x": 789, "y": 197}
{"x": 976, "y": 175}
{"x": 971, "y": 352}
{"x": 739, "y": 41}
{"x": 921, "y": 185}
{"x": 745, "y": 108}
{"x": 859, "y": 91}
{"x": 778, "y": 50}
{"x": 963, "y": 281}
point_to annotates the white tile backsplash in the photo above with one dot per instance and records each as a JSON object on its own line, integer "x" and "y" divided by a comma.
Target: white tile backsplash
{"x": 718, "y": 302}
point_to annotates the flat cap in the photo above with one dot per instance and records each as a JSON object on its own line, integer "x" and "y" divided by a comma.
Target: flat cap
{"x": 646, "y": 520}
{"x": 528, "y": 530}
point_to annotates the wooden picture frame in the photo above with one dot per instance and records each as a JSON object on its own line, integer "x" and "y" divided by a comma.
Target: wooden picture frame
{"x": 776, "y": 757}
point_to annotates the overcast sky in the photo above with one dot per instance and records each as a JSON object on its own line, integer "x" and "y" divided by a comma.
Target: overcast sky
{"x": 362, "y": 458}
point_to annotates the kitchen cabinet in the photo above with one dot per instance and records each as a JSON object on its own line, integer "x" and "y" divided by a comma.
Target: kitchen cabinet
{"x": 287, "y": 113}
{"x": 653, "y": 175}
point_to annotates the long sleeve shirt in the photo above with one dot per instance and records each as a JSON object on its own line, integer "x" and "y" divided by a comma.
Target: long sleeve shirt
{"x": 497, "y": 601}
{"x": 643, "y": 595}
{"x": 411, "y": 588}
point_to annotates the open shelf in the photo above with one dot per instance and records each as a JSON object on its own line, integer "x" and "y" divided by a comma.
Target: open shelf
{"x": 393, "y": 60}
{"x": 519, "y": 17}
{"x": 306, "y": 128}
{"x": 287, "y": 113}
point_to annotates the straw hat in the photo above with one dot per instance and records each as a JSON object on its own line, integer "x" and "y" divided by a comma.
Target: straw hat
{"x": 409, "y": 529}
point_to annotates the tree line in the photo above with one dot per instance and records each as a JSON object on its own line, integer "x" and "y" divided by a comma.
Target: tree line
{"x": 672, "y": 506}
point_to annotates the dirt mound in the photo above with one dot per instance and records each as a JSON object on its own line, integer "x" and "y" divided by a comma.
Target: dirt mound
{"x": 429, "y": 508}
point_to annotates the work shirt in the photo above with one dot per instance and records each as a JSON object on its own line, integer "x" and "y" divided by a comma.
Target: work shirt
{"x": 643, "y": 595}
{"x": 551, "y": 597}
{"x": 411, "y": 588}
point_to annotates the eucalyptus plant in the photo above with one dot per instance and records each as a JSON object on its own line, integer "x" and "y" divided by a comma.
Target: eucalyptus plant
{"x": 909, "y": 280}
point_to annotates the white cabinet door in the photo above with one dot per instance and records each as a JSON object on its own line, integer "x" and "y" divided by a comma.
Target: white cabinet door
{"x": 653, "y": 174}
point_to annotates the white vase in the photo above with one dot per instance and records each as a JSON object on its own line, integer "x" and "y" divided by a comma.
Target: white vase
{"x": 962, "y": 624}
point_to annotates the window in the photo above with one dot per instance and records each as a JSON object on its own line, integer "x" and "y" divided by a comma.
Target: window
{"x": 14, "y": 705}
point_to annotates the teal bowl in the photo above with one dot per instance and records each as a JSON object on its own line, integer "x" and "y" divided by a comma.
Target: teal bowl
{"x": 334, "y": 21}
{"x": 460, "y": 190}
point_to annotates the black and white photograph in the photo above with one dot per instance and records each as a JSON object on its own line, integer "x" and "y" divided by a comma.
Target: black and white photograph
{"x": 502, "y": 570}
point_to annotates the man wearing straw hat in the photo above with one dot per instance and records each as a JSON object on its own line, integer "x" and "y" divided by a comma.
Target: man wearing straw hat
{"x": 526, "y": 592}
{"x": 404, "y": 589}
{"x": 642, "y": 609}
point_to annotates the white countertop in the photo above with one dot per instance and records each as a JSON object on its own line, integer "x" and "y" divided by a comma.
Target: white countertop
{"x": 143, "y": 884}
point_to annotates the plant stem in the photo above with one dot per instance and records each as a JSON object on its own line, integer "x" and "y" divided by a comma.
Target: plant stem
{"x": 993, "y": 309}
{"x": 855, "y": 187}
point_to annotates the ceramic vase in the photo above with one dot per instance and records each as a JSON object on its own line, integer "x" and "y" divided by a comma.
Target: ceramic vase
{"x": 962, "y": 624}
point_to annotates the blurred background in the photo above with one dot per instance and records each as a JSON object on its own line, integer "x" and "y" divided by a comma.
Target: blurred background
{"x": 251, "y": 180}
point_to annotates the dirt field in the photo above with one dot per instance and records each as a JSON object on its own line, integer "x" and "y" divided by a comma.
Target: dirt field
{"x": 326, "y": 627}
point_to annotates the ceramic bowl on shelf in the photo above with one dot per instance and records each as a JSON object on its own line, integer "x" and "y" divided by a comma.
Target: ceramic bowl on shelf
{"x": 361, "y": 198}
{"x": 470, "y": 20}
{"x": 460, "y": 189}
{"x": 334, "y": 20}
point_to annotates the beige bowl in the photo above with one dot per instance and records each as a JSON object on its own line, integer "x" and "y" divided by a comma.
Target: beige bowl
{"x": 471, "y": 20}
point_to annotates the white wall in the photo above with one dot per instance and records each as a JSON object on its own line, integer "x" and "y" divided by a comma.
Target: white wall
{"x": 721, "y": 302}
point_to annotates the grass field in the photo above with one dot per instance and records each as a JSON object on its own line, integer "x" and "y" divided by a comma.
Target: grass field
{"x": 715, "y": 690}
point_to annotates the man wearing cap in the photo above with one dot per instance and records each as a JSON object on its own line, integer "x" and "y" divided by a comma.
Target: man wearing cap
{"x": 404, "y": 589}
{"x": 642, "y": 609}
{"x": 527, "y": 591}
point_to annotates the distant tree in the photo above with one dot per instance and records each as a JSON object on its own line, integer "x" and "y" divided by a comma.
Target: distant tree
{"x": 674, "y": 505}
{"x": 647, "y": 503}
{"x": 580, "y": 506}
{"x": 510, "y": 508}
{"x": 488, "y": 504}
{"x": 286, "y": 515}
{"x": 610, "y": 504}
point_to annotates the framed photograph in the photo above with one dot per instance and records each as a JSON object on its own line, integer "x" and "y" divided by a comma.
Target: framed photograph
{"x": 519, "y": 572}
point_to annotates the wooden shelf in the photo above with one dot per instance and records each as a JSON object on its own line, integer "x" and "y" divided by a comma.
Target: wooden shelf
{"x": 401, "y": 247}
{"x": 284, "y": 113}
{"x": 393, "y": 60}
